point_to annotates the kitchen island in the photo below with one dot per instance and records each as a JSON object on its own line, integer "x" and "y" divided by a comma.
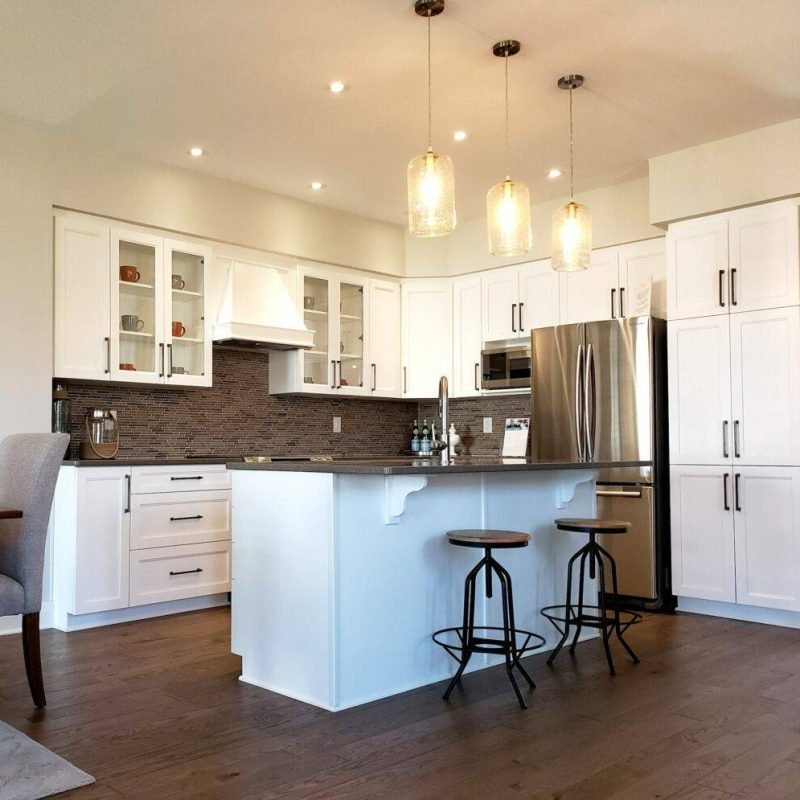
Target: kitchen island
{"x": 341, "y": 570}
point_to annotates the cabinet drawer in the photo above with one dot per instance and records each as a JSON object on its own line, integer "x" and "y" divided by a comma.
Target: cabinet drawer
{"x": 183, "y": 478}
{"x": 178, "y": 518}
{"x": 159, "y": 574}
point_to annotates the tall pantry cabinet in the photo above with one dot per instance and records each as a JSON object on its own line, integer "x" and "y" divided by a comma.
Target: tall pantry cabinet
{"x": 734, "y": 389}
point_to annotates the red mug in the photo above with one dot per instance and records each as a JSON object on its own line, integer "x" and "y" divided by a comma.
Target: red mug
{"x": 129, "y": 274}
{"x": 177, "y": 329}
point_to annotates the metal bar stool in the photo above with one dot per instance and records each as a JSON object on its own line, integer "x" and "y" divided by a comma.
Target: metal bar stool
{"x": 566, "y": 616}
{"x": 462, "y": 642}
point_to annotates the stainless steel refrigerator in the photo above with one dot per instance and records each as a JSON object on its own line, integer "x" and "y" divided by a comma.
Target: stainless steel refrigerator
{"x": 599, "y": 393}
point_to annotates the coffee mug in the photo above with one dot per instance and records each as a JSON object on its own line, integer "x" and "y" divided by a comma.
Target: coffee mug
{"x": 177, "y": 329}
{"x": 130, "y": 322}
{"x": 129, "y": 274}
{"x": 309, "y": 302}
{"x": 126, "y": 366}
{"x": 178, "y": 282}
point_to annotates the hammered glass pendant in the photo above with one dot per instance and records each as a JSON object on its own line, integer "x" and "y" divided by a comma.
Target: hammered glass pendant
{"x": 571, "y": 249}
{"x": 431, "y": 195}
{"x": 508, "y": 217}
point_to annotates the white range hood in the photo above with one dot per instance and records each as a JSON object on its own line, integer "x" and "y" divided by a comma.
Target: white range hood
{"x": 257, "y": 311}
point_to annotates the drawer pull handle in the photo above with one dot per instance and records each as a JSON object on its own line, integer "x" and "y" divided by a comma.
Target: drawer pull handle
{"x": 186, "y": 571}
{"x": 179, "y": 519}
{"x": 186, "y": 478}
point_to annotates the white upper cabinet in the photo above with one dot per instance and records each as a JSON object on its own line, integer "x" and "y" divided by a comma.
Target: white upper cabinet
{"x": 467, "y": 337}
{"x": 592, "y": 294}
{"x": 82, "y": 338}
{"x": 538, "y": 296}
{"x": 738, "y": 261}
{"x": 384, "y": 338}
{"x": 700, "y": 420}
{"x": 765, "y": 370}
{"x": 641, "y": 265}
{"x": 500, "y": 291}
{"x": 427, "y": 335}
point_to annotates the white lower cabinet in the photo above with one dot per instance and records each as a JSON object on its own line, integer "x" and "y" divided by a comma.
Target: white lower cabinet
{"x": 736, "y": 534}
{"x": 467, "y": 340}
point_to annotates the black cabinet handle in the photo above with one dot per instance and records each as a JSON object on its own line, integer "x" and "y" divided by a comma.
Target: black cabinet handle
{"x": 169, "y": 360}
{"x": 734, "y": 301}
{"x": 180, "y": 519}
{"x": 128, "y": 498}
{"x": 521, "y": 328}
{"x": 622, "y": 302}
{"x": 721, "y": 293}
{"x": 333, "y": 374}
{"x": 613, "y": 309}
{"x": 513, "y": 317}
{"x": 736, "y": 451}
{"x": 477, "y": 367}
{"x": 405, "y": 381}
{"x": 725, "y": 504}
{"x": 725, "y": 438}
{"x": 186, "y": 478}
{"x": 186, "y": 572}
{"x": 374, "y": 377}
{"x": 107, "y": 340}
{"x": 161, "y": 347}
{"x": 736, "y": 495}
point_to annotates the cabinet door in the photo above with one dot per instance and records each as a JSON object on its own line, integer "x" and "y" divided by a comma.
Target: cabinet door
{"x": 82, "y": 325}
{"x": 467, "y": 343}
{"x": 384, "y": 338}
{"x": 765, "y": 367}
{"x": 319, "y": 368}
{"x": 592, "y": 294}
{"x": 697, "y": 268}
{"x": 538, "y": 296}
{"x": 700, "y": 427}
{"x": 500, "y": 289}
{"x": 703, "y": 561}
{"x": 103, "y": 538}
{"x": 352, "y": 326}
{"x": 187, "y": 325}
{"x": 427, "y": 336}
{"x": 138, "y": 352}
{"x": 765, "y": 271}
{"x": 767, "y": 523}
{"x": 643, "y": 265}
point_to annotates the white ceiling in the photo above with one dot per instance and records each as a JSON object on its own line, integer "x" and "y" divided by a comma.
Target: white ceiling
{"x": 246, "y": 80}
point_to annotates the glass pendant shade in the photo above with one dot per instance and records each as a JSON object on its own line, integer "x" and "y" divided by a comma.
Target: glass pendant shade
{"x": 508, "y": 217}
{"x": 572, "y": 238}
{"x": 431, "y": 195}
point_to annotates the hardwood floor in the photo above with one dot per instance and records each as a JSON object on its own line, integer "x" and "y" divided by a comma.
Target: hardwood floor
{"x": 154, "y": 710}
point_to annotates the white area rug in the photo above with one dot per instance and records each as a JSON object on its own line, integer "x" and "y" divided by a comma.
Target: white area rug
{"x": 29, "y": 771}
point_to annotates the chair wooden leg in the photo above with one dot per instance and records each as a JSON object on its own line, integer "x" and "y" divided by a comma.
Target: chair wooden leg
{"x": 32, "y": 652}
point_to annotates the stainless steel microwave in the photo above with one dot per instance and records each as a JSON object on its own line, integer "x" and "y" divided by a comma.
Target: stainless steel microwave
{"x": 506, "y": 367}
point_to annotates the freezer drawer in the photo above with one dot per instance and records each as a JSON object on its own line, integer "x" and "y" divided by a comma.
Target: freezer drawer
{"x": 634, "y": 551}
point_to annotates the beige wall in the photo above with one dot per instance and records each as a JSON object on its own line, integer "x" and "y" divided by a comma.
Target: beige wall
{"x": 619, "y": 215}
{"x": 39, "y": 170}
{"x": 749, "y": 168}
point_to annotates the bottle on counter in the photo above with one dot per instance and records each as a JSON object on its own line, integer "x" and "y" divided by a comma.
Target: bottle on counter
{"x": 415, "y": 440}
{"x": 425, "y": 443}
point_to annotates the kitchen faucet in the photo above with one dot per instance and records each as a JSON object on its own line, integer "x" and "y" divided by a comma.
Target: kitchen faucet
{"x": 443, "y": 444}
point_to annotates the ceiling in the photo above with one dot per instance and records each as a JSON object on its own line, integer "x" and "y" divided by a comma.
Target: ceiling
{"x": 246, "y": 79}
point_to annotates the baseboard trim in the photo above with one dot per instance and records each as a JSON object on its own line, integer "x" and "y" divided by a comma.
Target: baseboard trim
{"x": 715, "y": 608}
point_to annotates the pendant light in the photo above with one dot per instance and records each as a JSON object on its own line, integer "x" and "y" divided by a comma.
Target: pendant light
{"x": 571, "y": 249}
{"x": 508, "y": 204}
{"x": 431, "y": 189}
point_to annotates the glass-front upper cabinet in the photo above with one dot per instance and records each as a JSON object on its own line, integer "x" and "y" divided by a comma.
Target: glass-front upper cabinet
{"x": 351, "y": 335}
{"x": 318, "y": 362}
{"x": 187, "y": 328}
{"x": 137, "y": 312}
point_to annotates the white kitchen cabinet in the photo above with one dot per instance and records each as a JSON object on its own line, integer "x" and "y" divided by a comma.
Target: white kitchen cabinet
{"x": 700, "y": 420}
{"x": 765, "y": 373}
{"x": 741, "y": 260}
{"x": 703, "y": 546}
{"x": 467, "y": 337}
{"x": 383, "y": 341}
{"x": 766, "y": 502}
{"x": 593, "y": 293}
{"x": 538, "y": 296}
{"x": 500, "y": 289}
{"x": 643, "y": 264}
{"x": 427, "y": 334}
{"x": 82, "y": 343}
{"x": 102, "y": 539}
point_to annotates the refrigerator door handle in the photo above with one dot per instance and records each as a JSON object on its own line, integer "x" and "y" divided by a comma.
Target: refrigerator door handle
{"x": 589, "y": 410}
{"x": 579, "y": 438}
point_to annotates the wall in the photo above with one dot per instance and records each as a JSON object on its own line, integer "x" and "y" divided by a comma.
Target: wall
{"x": 39, "y": 170}
{"x": 749, "y": 168}
{"x": 620, "y": 214}
{"x": 238, "y": 416}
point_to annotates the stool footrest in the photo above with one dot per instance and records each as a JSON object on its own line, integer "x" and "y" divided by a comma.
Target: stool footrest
{"x": 561, "y": 614}
{"x": 481, "y": 644}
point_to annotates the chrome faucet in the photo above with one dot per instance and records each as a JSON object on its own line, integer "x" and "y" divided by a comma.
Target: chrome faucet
{"x": 443, "y": 443}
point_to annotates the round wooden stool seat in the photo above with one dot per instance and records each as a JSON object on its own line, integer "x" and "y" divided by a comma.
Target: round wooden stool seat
{"x": 593, "y": 525}
{"x": 481, "y": 538}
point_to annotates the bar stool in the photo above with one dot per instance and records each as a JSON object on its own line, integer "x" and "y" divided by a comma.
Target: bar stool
{"x": 467, "y": 641}
{"x": 590, "y": 616}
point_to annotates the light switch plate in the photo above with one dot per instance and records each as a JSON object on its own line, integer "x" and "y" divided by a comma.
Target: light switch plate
{"x": 487, "y": 424}
{"x": 337, "y": 424}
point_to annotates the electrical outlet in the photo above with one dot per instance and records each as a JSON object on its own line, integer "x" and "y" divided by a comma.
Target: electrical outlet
{"x": 337, "y": 424}
{"x": 487, "y": 424}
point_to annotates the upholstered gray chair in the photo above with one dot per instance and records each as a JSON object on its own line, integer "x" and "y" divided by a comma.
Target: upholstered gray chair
{"x": 29, "y": 465}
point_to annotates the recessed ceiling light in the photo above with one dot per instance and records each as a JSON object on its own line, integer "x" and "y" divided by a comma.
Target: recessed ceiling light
{"x": 196, "y": 152}
{"x": 337, "y": 87}
{"x": 460, "y": 136}
{"x": 316, "y": 185}
{"x": 554, "y": 173}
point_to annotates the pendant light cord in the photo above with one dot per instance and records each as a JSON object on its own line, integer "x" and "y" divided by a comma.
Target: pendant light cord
{"x": 571, "y": 157}
{"x": 508, "y": 170}
{"x": 430, "y": 139}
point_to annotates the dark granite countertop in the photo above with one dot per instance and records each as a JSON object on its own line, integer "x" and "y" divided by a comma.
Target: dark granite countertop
{"x": 417, "y": 466}
{"x": 147, "y": 462}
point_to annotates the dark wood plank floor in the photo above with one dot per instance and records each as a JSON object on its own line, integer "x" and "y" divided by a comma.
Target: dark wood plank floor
{"x": 154, "y": 710}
